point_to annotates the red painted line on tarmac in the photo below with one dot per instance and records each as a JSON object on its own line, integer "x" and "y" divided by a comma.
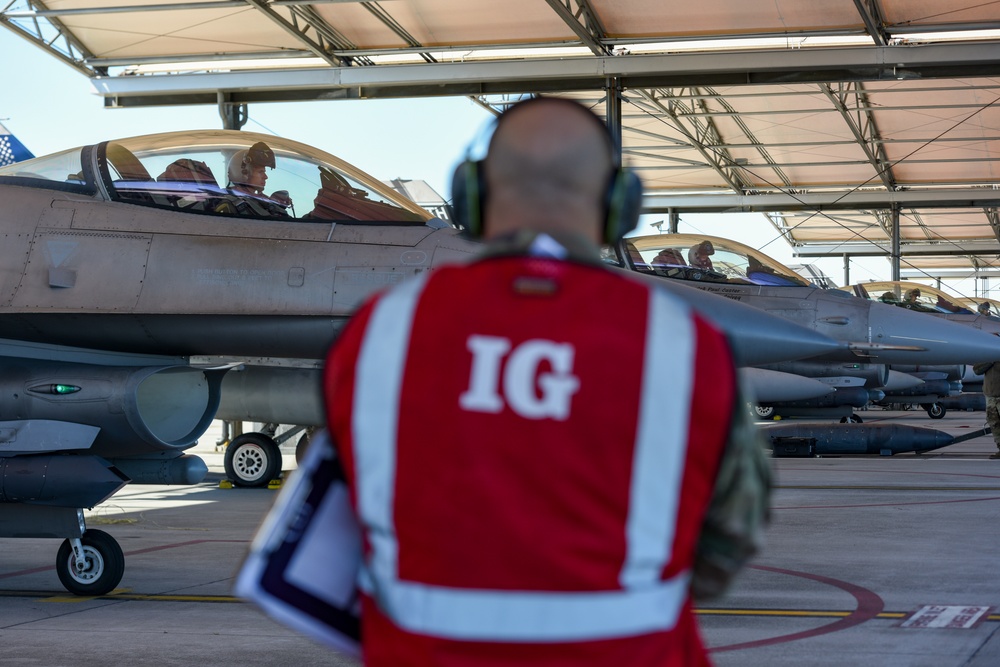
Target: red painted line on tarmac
{"x": 46, "y": 568}
{"x": 869, "y": 606}
{"x": 919, "y": 502}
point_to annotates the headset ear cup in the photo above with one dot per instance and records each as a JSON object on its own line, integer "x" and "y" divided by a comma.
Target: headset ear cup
{"x": 467, "y": 196}
{"x": 623, "y": 205}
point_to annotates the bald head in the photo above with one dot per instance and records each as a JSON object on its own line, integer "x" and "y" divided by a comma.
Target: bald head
{"x": 547, "y": 170}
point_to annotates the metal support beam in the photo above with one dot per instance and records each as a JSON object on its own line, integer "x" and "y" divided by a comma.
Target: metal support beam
{"x": 993, "y": 217}
{"x": 833, "y": 200}
{"x": 872, "y": 16}
{"x": 385, "y": 17}
{"x": 478, "y": 77}
{"x": 52, "y": 37}
{"x": 847, "y": 269}
{"x": 584, "y": 22}
{"x": 851, "y": 100}
{"x": 613, "y": 107}
{"x": 701, "y": 133}
{"x": 673, "y": 220}
{"x": 234, "y": 115}
{"x": 895, "y": 255}
{"x": 328, "y": 38}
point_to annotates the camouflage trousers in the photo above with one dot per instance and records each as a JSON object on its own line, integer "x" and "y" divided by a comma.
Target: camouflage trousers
{"x": 993, "y": 417}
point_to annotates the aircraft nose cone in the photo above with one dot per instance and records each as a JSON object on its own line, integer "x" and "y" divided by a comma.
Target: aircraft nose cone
{"x": 756, "y": 337}
{"x": 944, "y": 342}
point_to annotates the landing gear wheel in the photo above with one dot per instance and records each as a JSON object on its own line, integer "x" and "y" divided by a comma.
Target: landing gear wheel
{"x": 935, "y": 410}
{"x": 252, "y": 459}
{"x": 851, "y": 419}
{"x": 103, "y": 570}
{"x": 763, "y": 412}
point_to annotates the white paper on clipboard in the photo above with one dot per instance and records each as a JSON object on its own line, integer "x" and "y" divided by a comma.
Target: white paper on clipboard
{"x": 302, "y": 569}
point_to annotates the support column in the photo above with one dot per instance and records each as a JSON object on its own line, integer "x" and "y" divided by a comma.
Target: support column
{"x": 674, "y": 219}
{"x": 613, "y": 105}
{"x": 847, "y": 269}
{"x": 234, "y": 115}
{"x": 894, "y": 257}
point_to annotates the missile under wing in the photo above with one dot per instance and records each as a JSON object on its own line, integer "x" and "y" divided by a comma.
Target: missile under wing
{"x": 135, "y": 274}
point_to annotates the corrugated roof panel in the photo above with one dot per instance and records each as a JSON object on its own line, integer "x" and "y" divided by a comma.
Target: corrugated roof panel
{"x": 450, "y": 22}
{"x": 642, "y": 18}
{"x": 833, "y": 227}
{"x": 166, "y": 33}
{"x": 945, "y": 224}
{"x": 361, "y": 27}
{"x": 936, "y": 12}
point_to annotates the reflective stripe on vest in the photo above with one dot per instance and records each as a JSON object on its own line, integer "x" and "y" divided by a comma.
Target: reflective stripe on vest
{"x": 645, "y": 603}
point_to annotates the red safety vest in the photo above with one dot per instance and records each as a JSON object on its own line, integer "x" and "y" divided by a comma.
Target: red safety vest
{"x": 531, "y": 446}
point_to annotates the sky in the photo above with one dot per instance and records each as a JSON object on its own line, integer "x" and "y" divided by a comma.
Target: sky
{"x": 49, "y": 106}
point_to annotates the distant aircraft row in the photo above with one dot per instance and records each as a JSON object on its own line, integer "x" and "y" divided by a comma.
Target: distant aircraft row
{"x": 152, "y": 284}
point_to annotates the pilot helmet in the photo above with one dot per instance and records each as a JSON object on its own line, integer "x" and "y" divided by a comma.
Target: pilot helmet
{"x": 243, "y": 161}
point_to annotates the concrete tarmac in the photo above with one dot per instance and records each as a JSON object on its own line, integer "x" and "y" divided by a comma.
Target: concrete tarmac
{"x": 869, "y": 561}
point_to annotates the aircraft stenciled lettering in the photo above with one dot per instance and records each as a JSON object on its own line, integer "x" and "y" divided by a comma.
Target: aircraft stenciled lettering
{"x": 519, "y": 376}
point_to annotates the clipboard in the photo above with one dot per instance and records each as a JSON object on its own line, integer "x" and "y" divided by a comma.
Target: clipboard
{"x": 303, "y": 565}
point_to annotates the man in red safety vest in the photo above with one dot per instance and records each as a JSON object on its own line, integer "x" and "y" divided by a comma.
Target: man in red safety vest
{"x": 548, "y": 459}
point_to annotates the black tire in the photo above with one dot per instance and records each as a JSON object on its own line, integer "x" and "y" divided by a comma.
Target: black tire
{"x": 252, "y": 459}
{"x": 103, "y": 571}
{"x": 763, "y": 411}
{"x": 936, "y": 411}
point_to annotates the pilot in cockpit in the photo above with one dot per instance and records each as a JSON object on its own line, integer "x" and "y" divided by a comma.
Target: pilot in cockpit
{"x": 698, "y": 255}
{"x": 248, "y": 175}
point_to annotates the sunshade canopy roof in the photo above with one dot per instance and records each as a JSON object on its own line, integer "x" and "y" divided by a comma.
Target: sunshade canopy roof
{"x": 831, "y": 116}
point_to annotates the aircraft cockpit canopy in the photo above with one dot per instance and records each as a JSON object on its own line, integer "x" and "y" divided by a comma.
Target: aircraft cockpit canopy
{"x": 707, "y": 259}
{"x": 222, "y": 173}
{"x": 914, "y": 296}
{"x": 982, "y": 305}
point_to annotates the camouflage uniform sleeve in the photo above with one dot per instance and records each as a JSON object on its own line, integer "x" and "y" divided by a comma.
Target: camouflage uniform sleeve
{"x": 733, "y": 529}
{"x": 980, "y": 369}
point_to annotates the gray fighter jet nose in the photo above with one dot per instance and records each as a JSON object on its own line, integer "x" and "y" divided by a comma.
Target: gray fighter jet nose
{"x": 943, "y": 342}
{"x": 756, "y": 337}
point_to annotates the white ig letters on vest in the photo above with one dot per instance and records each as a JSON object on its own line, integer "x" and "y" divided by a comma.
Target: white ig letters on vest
{"x": 519, "y": 375}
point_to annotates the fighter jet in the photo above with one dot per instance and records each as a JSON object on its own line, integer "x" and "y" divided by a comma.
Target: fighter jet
{"x": 731, "y": 269}
{"x": 948, "y": 382}
{"x": 150, "y": 284}
{"x": 926, "y": 299}
{"x": 881, "y": 334}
